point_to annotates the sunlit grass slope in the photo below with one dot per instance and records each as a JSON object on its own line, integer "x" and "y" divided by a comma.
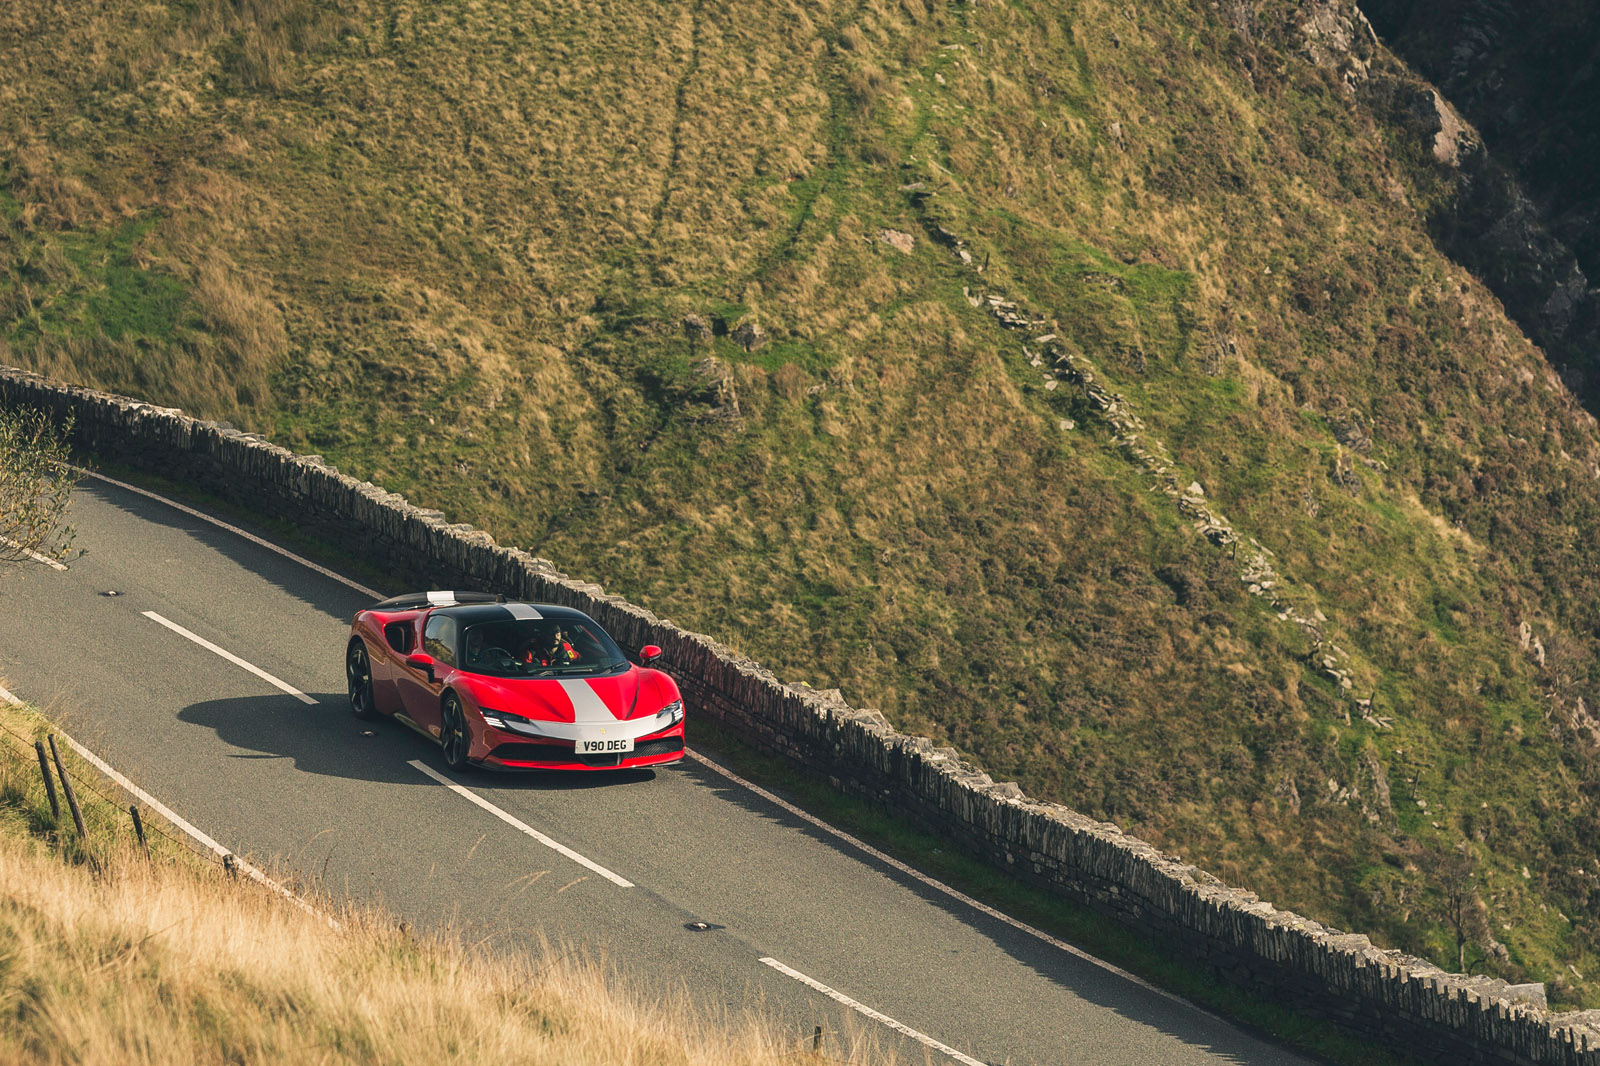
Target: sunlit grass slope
{"x": 107, "y": 956}
{"x": 496, "y": 254}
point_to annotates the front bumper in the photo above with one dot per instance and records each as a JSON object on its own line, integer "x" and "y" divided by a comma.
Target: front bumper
{"x": 517, "y": 752}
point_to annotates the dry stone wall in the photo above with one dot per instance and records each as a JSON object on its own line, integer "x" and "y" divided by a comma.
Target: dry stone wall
{"x": 1230, "y": 933}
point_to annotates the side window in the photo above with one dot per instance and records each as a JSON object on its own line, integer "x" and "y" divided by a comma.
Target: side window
{"x": 398, "y": 634}
{"x": 439, "y": 639}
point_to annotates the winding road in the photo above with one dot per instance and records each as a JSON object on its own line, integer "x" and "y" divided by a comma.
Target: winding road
{"x": 213, "y": 679}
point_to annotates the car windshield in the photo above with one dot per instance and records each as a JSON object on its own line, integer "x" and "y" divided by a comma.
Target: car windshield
{"x": 542, "y": 647}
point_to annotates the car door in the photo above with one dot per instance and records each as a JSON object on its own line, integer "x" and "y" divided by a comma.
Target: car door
{"x": 389, "y": 661}
{"x": 419, "y": 693}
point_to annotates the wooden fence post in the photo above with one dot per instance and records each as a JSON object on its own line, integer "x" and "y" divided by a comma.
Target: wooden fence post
{"x": 138, "y": 828}
{"x": 49, "y": 785}
{"x": 66, "y": 786}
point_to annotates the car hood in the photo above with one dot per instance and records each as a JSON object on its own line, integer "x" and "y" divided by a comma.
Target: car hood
{"x": 580, "y": 700}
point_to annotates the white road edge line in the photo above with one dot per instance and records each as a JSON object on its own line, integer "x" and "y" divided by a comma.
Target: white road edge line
{"x": 840, "y": 997}
{"x": 251, "y": 537}
{"x": 516, "y": 823}
{"x": 940, "y": 886}
{"x": 177, "y": 821}
{"x": 232, "y": 658}
{"x": 35, "y": 556}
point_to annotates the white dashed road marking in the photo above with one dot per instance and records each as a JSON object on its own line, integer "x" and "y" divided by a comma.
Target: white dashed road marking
{"x": 35, "y": 556}
{"x": 232, "y": 658}
{"x": 518, "y": 824}
{"x": 862, "y": 1008}
{"x": 940, "y": 886}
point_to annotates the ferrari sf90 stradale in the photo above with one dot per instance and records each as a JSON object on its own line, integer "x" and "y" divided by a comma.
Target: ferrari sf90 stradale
{"x": 513, "y": 686}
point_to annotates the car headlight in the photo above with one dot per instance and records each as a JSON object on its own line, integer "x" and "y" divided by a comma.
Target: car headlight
{"x": 512, "y": 723}
{"x": 672, "y": 712}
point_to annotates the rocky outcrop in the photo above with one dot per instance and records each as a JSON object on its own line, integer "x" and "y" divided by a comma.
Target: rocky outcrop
{"x": 696, "y": 328}
{"x": 899, "y": 240}
{"x": 1526, "y": 75}
{"x": 750, "y": 336}
{"x": 1521, "y": 245}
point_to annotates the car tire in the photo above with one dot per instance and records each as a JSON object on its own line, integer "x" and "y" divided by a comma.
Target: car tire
{"x": 358, "y": 677}
{"x": 455, "y": 736}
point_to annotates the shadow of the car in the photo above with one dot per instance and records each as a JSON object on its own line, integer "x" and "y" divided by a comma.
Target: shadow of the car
{"x": 325, "y": 739}
{"x": 557, "y": 780}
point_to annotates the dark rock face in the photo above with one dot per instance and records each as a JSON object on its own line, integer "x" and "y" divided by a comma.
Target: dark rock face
{"x": 750, "y": 336}
{"x": 1527, "y": 215}
{"x": 696, "y": 328}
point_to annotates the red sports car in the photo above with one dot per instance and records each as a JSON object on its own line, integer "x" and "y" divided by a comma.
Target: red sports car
{"x": 516, "y": 686}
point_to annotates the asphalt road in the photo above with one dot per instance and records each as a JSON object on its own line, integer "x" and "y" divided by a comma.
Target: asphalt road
{"x": 298, "y": 785}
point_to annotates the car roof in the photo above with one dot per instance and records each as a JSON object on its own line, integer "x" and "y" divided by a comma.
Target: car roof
{"x": 472, "y": 614}
{"x": 474, "y": 607}
{"x": 416, "y": 601}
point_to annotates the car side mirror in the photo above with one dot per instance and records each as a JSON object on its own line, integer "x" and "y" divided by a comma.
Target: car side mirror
{"x": 649, "y": 654}
{"x": 422, "y": 662}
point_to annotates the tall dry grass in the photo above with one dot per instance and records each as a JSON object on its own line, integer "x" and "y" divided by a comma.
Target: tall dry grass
{"x": 167, "y": 964}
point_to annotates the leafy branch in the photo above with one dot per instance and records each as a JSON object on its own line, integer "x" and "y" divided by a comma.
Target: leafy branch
{"x": 36, "y": 481}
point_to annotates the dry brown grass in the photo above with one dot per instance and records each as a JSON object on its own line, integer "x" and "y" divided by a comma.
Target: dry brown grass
{"x": 167, "y": 964}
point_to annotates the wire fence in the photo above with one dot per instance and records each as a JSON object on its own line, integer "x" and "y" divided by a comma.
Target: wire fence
{"x": 96, "y": 785}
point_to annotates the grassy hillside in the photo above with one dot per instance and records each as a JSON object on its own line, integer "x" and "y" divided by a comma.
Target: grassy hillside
{"x": 1277, "y": 552}
{"x": 107, "y": 956}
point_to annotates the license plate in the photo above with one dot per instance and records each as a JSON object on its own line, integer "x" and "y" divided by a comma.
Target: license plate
{"x": 604, "y": 747}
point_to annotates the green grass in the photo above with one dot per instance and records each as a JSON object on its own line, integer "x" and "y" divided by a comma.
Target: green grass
{"x": 95, "y": 288}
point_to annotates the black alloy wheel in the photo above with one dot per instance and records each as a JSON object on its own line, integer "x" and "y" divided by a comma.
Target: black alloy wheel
{"x": 454, "y": 736}
{"x": 358, "y": 676}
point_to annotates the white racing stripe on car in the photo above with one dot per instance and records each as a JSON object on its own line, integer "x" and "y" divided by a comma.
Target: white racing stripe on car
{"x": 839, "y": 997}
{"x": 442, "y": 599}
{"x": 232, "y": 658}
{"x": 587, "y": 708}
{"x": 523, "y": 612}
{"x": 516, "y": 823}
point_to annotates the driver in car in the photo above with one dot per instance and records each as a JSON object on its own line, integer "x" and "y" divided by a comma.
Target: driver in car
{"x": 547, "y": 649}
